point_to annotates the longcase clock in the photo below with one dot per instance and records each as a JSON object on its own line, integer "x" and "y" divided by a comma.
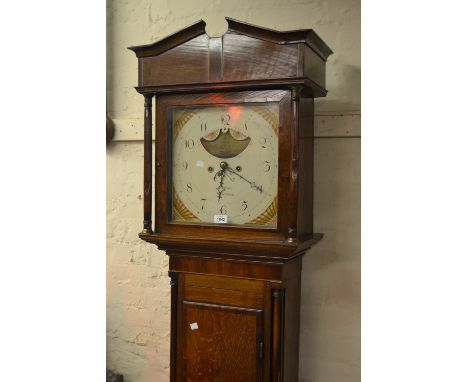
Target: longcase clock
{"x": 233, "y": 192}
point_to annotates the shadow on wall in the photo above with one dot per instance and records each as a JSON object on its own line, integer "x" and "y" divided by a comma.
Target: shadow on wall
{"x": 343, "y": 83}
{"x": 330, "y": 308}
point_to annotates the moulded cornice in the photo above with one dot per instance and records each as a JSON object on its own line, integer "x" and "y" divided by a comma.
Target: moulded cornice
{"x": 306, "y": 36}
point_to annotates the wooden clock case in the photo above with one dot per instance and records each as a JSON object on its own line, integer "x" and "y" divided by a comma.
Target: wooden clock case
{"x": 238, "y": 287}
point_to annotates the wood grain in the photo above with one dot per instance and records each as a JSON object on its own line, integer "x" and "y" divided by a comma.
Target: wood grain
{"x": 224, "y": 291}
{"x": 313, "y": 66}
{"x": 187, "y": 63}
{"x": 172, "y": 41}
{"x": 244, "y": 54}
{"x": 216, "y": 58}
{"x": 277, "y": 333}
{"x": 246, "y": 58}
{"x": 147, "y": 170}
{"x": 306, "y": 36}
{"x": 229, "y": 267}
{"x": 163, "y": 181}
{"x": 291, "y": 328}
{"x": 212, "y": 353}
{"x": 294, "y": 165}
{"x": 226, "y": 283}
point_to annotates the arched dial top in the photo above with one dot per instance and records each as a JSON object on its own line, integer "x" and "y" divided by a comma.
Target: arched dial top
{"x": 225, "y": 164}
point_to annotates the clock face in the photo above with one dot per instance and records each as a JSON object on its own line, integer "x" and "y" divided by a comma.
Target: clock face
{"x": 225, "y": 164}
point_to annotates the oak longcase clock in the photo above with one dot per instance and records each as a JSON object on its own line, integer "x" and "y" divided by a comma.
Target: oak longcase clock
{"x": 233, "y": 193}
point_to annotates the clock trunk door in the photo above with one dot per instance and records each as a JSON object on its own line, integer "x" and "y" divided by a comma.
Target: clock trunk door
{"x": 221, "y": 343}
{"x": 221, "y": 324}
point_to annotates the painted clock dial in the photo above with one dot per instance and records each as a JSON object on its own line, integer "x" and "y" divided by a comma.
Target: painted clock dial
{"x": 225, "y": 162}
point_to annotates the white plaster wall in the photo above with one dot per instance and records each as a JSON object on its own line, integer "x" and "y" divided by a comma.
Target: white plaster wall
{"x": 138, "y": 303}
{"x": 138, "y": 291}
{"x": 330, "y": 303}
{"x": 136, "y": 22}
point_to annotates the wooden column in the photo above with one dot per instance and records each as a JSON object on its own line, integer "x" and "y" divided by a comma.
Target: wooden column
{"x": 277, "y": 335}
{"x": 174, "y": 298}
{"x": 148, "y": 158}
{"x": 293, "y": 185}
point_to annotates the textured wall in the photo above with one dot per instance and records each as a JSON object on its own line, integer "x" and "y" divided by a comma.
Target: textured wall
{"x": 138, "y": 291}
{"x": 137, "y": 283}
{"x": 137, "y": 22}
{"x": 330, "y": 310}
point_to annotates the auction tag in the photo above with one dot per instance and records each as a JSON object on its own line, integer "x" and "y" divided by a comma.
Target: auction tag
{"x": 220, "y": 219}
{"x": 194, "y": 326}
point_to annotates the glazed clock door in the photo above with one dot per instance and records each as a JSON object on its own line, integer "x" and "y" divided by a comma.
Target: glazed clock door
{"x": 225, "y": 164}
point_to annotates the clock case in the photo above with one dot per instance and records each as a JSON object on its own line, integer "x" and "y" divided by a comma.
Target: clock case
{"x": 247, "y": 64}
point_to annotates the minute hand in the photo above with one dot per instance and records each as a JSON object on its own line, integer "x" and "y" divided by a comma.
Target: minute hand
{"x": 252, "y": 184}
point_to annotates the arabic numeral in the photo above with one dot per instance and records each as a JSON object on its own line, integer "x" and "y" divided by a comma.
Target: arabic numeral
{"x": 244, "y": 205}
{"x": 203, "y": 201}
{"x": 267, "y": 166}
{"x": 189, "y": 187}
{"x": 223, "y": 210}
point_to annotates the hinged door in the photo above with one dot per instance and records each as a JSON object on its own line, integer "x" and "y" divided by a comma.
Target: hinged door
{"x": 222, "y": 343}
{"x": 221, "y": 326}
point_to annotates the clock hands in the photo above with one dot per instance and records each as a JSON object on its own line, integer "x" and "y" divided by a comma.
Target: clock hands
{"x": 252, "y": 184}
{"x": 221, "y": 174}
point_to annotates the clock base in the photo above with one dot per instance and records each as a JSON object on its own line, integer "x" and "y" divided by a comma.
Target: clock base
{"x": 234, "y": 320}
